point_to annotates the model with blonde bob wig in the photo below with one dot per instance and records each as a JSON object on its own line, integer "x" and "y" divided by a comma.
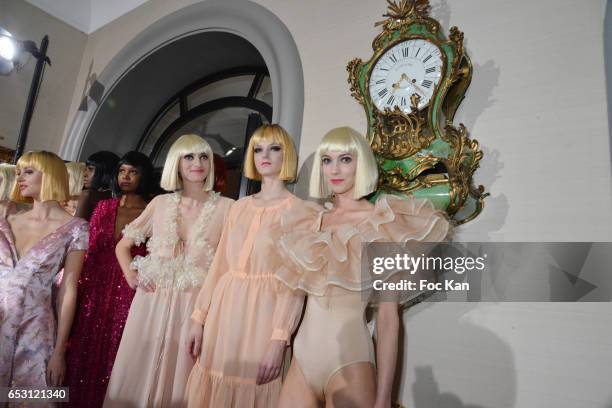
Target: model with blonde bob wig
{"x": 54, "y": 179}
{"x": 186, "y": 144}
{"x": 7, "y": 179}
{"x": 273, "y": 134}
{"x": 334, "y": 358}
{"x": 152, "y": 364}
{"x": 243, "y": 319}
{"x": 76, "y": 181}
{"x": 345, "y": 139}
{"x": 40, "y": 243}
{"x": 76, "y": 174}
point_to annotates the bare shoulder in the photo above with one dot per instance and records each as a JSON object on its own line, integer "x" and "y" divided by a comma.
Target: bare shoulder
{"x": 18, "y": 218}
{"x": 60, "y": 217}
{"x": 27, "y": 220}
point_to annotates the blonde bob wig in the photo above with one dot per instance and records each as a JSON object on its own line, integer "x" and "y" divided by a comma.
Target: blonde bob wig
{"x": 54, "y": 185}
{"x": 272, "y": 134}
{"x": 76, "y": 175}
{"x": 7, "y": 179}
{"x": 187, "y": 144}
{"x": 346, "y": 140}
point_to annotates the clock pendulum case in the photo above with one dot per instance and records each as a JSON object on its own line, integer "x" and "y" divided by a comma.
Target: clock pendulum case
{"x": 411, "y": 89}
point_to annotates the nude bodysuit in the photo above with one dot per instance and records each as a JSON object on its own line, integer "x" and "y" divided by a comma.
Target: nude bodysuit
{"x": 326, "y": 265}
{"x": 333, "y": 335}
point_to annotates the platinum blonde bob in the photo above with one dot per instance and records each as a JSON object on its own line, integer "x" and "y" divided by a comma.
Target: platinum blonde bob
{"x": 7, "y": 179}
{"x": 346, "y": 140}
{"x": 187, "y": 144}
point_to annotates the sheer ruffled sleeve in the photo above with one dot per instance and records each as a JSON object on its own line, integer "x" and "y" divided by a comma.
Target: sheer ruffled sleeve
{"x": 416, "y": 227}
{"x": 409, "y": 219}
{"x": 142, "y": 227}
{"x": 218, "y": 267}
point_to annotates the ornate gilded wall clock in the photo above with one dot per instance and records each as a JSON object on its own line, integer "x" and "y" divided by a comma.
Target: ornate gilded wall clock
{"x": 410, "y": 89}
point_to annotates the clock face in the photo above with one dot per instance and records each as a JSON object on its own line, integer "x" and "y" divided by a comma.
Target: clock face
{"x": 409, "y": 67}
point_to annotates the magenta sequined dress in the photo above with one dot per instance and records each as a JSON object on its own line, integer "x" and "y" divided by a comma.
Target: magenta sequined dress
{"x": 27, "y": 321}
{"x": 103, "y": 305}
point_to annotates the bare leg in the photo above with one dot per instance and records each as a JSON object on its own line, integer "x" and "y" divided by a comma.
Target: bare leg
{"x": 353, "y": 386}
{"x": 296, "y": 393}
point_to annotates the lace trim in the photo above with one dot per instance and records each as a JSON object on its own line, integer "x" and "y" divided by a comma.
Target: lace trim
{"x": 181, "y": 271}
{"x": 134, "y": 234}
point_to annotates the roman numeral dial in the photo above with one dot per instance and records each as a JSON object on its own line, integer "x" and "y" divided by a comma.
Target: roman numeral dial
{"x": 409, "y": 67}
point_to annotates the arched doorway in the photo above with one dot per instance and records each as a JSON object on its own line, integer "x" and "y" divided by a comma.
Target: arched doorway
{"x": 186, "y": 46}
{"x": 225, "y": 108}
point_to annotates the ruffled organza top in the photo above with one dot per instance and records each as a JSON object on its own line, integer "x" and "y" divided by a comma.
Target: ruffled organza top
{"x": 327, "y": 262}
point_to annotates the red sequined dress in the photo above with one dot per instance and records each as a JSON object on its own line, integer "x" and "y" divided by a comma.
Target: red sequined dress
{"x": 104, "y": 300}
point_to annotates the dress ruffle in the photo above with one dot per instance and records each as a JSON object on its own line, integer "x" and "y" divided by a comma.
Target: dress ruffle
{"x": 207, "y": 389}
{"x": 179, "y": 273}
{"x": 169, "y": 264}
{"x": 134, "y": 234}
{"x": 329, "y": 259}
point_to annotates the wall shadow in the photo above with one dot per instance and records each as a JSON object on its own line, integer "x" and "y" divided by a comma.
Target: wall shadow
{"x": 474, "y": 359}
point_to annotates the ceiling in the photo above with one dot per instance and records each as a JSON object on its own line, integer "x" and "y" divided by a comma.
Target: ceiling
{"x": 87, "y": 15}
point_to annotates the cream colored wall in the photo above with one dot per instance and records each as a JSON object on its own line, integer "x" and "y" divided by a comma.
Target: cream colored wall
{"x": 66, "y": 45}
{"x": 75, "y": 13}
{"x": 106, "y": 42}
{"x": 537, "y": 104}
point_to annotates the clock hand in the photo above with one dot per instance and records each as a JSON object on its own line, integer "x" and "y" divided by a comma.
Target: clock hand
{"x": 413, "y": 83}
{"x": 396, "y": 85}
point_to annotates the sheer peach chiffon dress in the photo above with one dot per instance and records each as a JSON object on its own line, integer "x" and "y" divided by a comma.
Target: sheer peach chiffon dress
{"x": 152, "y": 363}
{"x": 242, "y": 307}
